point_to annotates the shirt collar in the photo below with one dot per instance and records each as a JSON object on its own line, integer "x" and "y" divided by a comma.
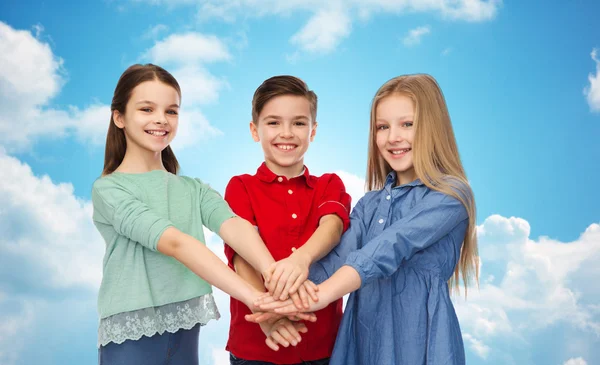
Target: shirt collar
{"x": 390, "y": 181}
{"x": 268, "y": 176}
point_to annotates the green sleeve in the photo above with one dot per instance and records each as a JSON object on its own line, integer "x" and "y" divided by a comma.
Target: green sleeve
{"x": 116, "y": 206}
{"x": 213, "y": 208}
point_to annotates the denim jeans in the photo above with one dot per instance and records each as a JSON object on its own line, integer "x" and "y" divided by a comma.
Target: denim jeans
{"x": 179, "y": 348}
{"x": 233, "y": 360}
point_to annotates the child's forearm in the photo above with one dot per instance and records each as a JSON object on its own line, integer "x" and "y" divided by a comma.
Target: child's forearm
{"x": 204, "y": 263}
{"x": 243, "y": 238}
{"x": 248, "y": 273}
{"x": 323, "y": 240}
{"x": 344, "y": 281}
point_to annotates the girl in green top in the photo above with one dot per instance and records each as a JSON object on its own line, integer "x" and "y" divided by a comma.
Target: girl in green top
{"x": 157, "y": 272}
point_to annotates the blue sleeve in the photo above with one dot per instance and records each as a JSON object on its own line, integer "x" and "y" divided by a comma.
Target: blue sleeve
{"x": 350, "y": 241}
{"x": 435, "y": 216}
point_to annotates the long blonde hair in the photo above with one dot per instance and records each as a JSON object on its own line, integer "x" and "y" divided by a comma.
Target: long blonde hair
{"x": 435, "y": 158}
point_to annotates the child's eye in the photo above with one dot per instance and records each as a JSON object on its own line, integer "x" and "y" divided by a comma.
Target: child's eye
{"x": 172, "y": 112}
{"x": 147, "y": 110}
{"x": 407, "y": 124}
{"x": 300, "y": 123}
{"x": 272, "y": 122}
{"x": 382, "y": 127}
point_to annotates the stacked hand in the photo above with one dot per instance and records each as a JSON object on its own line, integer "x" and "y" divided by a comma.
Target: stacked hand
{"x": 278, "y": 318}
{"x": 286, "y": 276}
{"x": 268, "y": 306}
{"x": 290, "y": 299}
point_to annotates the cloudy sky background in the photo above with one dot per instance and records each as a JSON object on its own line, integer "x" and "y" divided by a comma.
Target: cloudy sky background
{"x": 522, "y": 84}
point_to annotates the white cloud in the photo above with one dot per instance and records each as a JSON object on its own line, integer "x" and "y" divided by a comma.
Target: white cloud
{"x": 31, "y": 76}
{"x": 323, "y": 32}
{"x": 198, "y": 86}
{"x": 193, "y": 126}
{"x": 92, "y": 123}
{"x": 592, "y": 91}
{"x": 14, "y": 328}
{"x": 155, "y": 31}
{"x": 49, "y": 251}
{"x": 470, "y": 10}
{"x": 330, "y": 22}
{"x": 531, "y": 284}
{"x": 466, "y": 10}
{"x": 47, "y": 231}
{"x": 185, "y": 56}
{"x": 188, "y": 49}
{"x": 576, "y": 361}
{"x": 414, "y": 36}
{"x": 30, "y": 73}
{"x": 481, "y": 349}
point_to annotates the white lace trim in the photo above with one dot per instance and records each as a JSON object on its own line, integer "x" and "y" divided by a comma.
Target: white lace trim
{"x": 150, "y": 321}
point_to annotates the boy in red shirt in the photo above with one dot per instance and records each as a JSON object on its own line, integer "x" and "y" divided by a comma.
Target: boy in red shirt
{"x": 300, "y": 217}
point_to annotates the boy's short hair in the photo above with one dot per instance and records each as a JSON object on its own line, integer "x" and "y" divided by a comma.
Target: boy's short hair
{"x": 278, "y": 86}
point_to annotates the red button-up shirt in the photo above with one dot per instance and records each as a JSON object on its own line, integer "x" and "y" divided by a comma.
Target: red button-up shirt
{"x": 287, "y": 213}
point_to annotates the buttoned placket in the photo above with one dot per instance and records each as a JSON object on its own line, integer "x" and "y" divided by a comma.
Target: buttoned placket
{"x": 383, "y": 212}
{"x": 292, "y": 206}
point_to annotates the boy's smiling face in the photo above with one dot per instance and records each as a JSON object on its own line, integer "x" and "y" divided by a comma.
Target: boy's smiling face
{"x": 285, "y": 129}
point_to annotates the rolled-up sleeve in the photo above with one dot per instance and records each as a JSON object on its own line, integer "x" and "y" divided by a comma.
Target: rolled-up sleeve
{"x": 427, "y": 223}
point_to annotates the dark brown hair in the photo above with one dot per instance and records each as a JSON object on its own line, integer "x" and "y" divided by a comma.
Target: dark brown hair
{"x": 116, "y": 145}
{"x": 278, "y": 86}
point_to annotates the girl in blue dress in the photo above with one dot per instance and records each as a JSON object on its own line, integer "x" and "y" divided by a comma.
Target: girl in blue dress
{"x": 411, "y": 238}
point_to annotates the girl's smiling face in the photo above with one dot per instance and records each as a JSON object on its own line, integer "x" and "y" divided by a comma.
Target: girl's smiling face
{"x": 395, "y": 134}
{"x": 151, "y": 117}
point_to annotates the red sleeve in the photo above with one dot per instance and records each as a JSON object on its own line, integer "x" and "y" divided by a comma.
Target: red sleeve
{"x": 239, "y": 201}
{"x": 335, "y": 200}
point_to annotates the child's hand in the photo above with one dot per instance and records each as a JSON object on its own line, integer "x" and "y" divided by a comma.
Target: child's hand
{"x": 269, "y": 304}
{"x": 285, "y": 276}
{"x": 282, "y": 331}
{"x": 259, "y": 317}
{"x": 254, "y": 296}
{"x": 300, "y": 298}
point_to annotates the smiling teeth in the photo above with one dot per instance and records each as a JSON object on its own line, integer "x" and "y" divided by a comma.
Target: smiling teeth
{"x": 398, "y": 152}
{"x": 157, "y": 133}
{"x": 286, "y": 147}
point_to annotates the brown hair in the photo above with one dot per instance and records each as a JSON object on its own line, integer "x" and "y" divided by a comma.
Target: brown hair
{"x": 278, "y": 86}
{"x": 436, "y": 159}
{"x": 116, "y": 145}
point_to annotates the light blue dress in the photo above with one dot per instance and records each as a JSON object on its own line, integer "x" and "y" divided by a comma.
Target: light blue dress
{"x": 404, "y": 242}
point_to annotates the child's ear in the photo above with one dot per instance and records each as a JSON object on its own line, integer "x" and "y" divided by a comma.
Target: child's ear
{"x": 118, "y": 119}
{"x": 254, "y": 131}
{"x": 313, "y": 132}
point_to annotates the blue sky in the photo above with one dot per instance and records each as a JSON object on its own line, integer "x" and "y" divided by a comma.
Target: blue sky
{"x": 522, "y": 84}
